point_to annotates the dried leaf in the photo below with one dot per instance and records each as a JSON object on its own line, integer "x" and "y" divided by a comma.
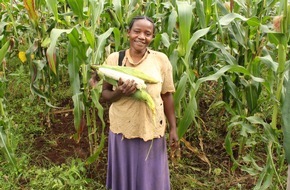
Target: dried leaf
{"x": 30, "y": 7}
{"x": 195, "y": 150}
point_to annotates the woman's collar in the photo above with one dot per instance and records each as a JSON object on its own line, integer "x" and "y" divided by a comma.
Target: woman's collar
{"x": 130, "y": 60}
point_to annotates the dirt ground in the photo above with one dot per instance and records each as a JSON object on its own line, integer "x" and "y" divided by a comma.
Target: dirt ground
{"x": 58, "y": 145}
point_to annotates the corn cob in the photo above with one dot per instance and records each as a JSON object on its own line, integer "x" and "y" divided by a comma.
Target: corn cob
{"x": 117, "y": 75}
{"x": 130, "y": 71}
{"x": 112, "y": 77}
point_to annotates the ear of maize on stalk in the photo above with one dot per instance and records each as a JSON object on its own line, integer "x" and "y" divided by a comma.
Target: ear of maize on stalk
{"x": 112, "y": 76}
{"x": 130, "y": 71}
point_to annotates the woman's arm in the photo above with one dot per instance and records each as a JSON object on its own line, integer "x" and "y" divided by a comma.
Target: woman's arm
{"x": 170, "y": 115}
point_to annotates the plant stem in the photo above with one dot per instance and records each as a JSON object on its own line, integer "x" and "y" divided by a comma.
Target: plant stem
{"x": 272, "y": 163}
{"x": 288, "y": 178}
{"x": 12, "y": 19}
{"x": 281, "y": 73}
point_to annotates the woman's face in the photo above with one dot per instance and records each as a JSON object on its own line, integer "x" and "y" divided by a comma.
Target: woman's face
{"x": 140, "y": 35}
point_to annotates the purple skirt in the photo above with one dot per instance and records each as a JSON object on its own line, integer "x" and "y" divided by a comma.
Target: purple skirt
{"x": 134, "y": 164}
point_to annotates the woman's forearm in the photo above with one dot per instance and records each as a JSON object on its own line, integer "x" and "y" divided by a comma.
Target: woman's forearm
{"x": 169, "y": 109}
{"x": 111, "y": 95}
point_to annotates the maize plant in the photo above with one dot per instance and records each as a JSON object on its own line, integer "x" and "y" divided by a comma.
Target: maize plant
{"x": 283, "y": 38}
{"x": 231, "y": 52}
{"x": 233, "y": 43}
{"x": 6, "y": 136}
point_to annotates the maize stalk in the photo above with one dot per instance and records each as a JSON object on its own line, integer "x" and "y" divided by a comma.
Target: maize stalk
{"x": 112, "y": 76}
{"x": 130, "y": 71}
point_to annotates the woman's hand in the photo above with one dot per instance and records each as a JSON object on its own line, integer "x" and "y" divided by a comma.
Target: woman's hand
{"x": 126, "y": 88}
{"x": 174, "y": 145}
{"x": 173, "y": 139}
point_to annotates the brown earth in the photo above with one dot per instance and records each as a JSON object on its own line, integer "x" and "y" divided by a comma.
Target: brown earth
{"x": 58, "y": 144}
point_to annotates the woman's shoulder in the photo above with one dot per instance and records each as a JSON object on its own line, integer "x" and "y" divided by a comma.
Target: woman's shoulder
{"x": 113, "y": 55}
{"x": 112, "y": 58}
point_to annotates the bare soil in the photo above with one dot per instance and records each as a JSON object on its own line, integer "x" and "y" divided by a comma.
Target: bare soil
{"x": 58, "y": 144}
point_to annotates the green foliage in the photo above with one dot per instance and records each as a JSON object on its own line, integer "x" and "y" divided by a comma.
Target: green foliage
{"x": 70, "y": 176}
{"x": 286, "y": 119}
{"x": 22, "y": 132}
{"x": 66, "y": 176}
{"x": 7, "y": 146}
{"x": 233, "y": 44}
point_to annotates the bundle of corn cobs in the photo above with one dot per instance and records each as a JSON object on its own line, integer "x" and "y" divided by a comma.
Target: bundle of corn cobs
{"x": 112, "y": 74}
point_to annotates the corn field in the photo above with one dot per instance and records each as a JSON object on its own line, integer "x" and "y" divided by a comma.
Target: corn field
{"x": 235, "y": 51}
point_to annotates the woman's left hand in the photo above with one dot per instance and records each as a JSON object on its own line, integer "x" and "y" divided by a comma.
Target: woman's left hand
{"x": 173, "y": 139}
{"x": 127, "y": 87}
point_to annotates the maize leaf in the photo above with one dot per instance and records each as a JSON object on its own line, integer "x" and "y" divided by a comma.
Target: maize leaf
{"x": 286, "y": 120}
{"x": 30, "y": 7}
{"x": 3, "y": 51}
{"x": 77, "y": 8}
{"x": 185, "y": 19}
{"x": 4, "y": 146}
{"x": 252, "y": 96}
{"x": 52, "y": 5}
{"x": 130, "y": 71}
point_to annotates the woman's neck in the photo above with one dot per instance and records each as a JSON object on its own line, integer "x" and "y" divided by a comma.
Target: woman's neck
{"x": 136, "y": 55}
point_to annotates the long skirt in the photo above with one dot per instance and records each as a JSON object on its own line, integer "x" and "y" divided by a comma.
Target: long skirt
{"x": 134, "y": 164}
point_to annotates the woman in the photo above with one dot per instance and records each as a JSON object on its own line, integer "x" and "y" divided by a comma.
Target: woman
{"x": 137, "y": 153}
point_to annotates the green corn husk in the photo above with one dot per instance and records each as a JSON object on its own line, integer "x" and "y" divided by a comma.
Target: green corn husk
{"x": 142, "y": 95}
{"x": 130, "y": 71}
